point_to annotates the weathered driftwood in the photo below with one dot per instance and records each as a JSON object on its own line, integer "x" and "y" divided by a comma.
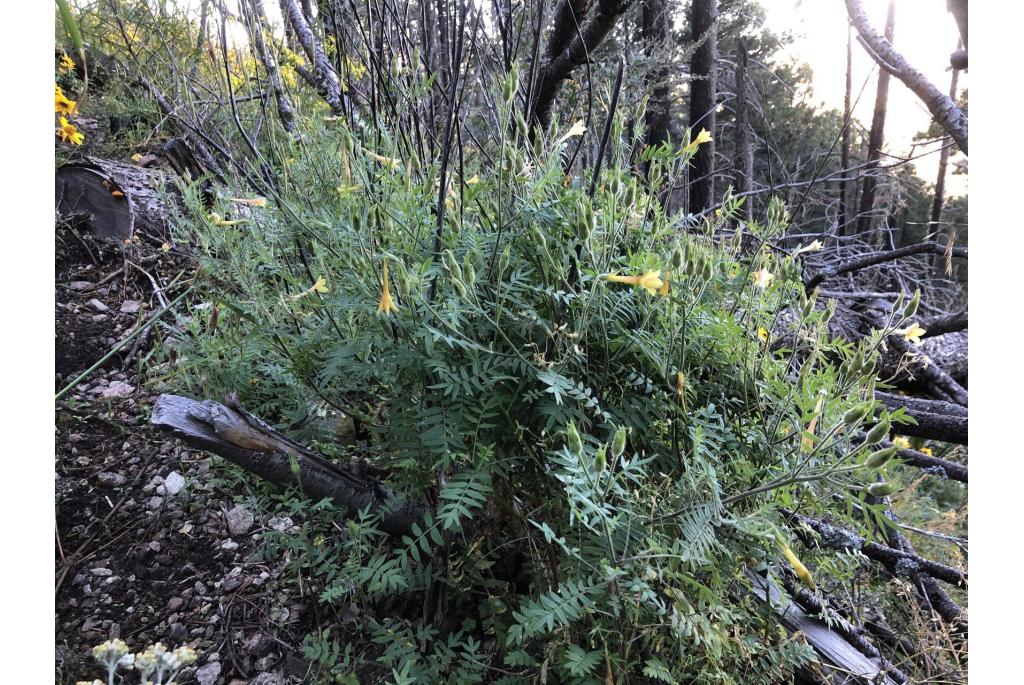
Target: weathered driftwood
{"x": 114, "y": 199}
{"x": 846, "y": 662}
{"x": 233, "y": 433}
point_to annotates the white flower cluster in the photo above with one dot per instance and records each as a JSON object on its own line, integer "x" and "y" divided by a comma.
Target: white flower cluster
{"x": 153, "y": 664}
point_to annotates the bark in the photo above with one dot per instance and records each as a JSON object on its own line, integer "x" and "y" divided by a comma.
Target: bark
{"x": 942, "y": 424}
{"x": 257, "y": 24}
{"x": 703, "y": 101}
{"x": 877, "y": 136}
{"x": 901, "y": 562}
{"x": 944, "y": 323}
{"x": 575, "y": 53}
{"x": 116, "y": 200}
{"x": 231, "y": 432}
{"x": 945, "y": 110}
{"x": 658, "y": 116}
{"x": 326, "y": 78}
{"x": 744, "y": 163}
{"x": 940, "y": 467}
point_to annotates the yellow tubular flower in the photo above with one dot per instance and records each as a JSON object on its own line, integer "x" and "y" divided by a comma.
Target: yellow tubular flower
{"x": 387, "y": 305}
{"x": 702, "y": 137}
{"x": 217, "y": 220}
{"x": 69, "y": 133}
{"x": 67, "y": 65}
{"x": 650, "y": 281}
{"x": 801, "y": 570}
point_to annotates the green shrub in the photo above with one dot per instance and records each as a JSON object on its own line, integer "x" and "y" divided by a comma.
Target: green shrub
{"x": 699, "y": 392}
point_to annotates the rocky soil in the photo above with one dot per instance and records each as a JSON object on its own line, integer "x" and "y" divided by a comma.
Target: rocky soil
{"x": 154, "y": 541}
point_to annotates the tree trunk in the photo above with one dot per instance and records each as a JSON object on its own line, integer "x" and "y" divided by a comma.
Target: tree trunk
{"x": 940, "y": 180}
{"x": 844, "y": 185}
{"x": 116, "y": 200}
{"x": 257, "y": 23}
{"x": 658, "y": 117}
{"x": 744, "y": 164}
{"x": 877, "y": 136}
{"x": 703, "y": 96}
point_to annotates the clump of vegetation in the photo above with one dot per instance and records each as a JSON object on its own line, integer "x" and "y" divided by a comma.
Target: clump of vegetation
{"x": 620, "y": 422}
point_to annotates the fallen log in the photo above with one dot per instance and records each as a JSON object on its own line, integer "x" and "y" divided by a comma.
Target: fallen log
{"x": 843, "y": 660}
{"x": 115, "y": 200}
{"x": 233, "y": 433}
{"x": 936, "y": 419}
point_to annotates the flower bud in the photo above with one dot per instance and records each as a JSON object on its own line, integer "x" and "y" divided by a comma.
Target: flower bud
{"x": 619, "y": 442}
{"x": 911, "y": 307}
{"x": 877, "y": 460}
{"x": 677, "y": 257}
{"x": 600, "y": 460}
{"x": 881, "y": 489}
{"x": 857, "y": 414}
{"x": 573, "y": 440}
{"x": 876, "y": 434}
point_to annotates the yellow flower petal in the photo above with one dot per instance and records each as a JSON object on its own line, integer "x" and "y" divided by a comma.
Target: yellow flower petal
{"x": 473, "y": 181}
{"x": 926, "y": 450}
{"x": 901, "y": 442}
{"x": 913, "y": 333}
{"x": 251, "y": 202}
{"x": 67, "y": 65}
{"x": 763, "y": 278}
{"x": 762, "y": 333}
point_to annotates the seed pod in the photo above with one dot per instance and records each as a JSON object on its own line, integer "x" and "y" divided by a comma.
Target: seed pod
{"x": 911, "y": 307}
{"x": 538, "y": 237}
{"x": 808, "y": 306}
{"x": 630, "y": 196}
{"x": 503, "y": 260}
{"x": 468, "y": 273}
{"x": 600, "y": 460}
{"x": 619, "y": 442}
{"x": 573, "y": 440}
{"x": 881, "y": 489}
{"x": 857, "y": 414}
{"x": 460, "y": 289}
{"x": 614, "y": 185}
{"x": 453, "y": 265}
{"x": 521, "y": 124}
{"x": 877, "y": 460}
{"x": 708, "y": 271}
{"x": 876, "y": 434}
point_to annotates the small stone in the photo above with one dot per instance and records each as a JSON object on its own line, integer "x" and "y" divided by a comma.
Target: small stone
{"x": 177, "y": 633}
{"x": 155, "y": 546}
{"x": 240, "y": 520}
{"x": 208, "y": 674}
{"x": 200, "y": 588}
{"x": 130, "y": 306}
{"x": 230, "y": 584}
{"x": 102, "y": 572}
{"x": 281, "y": 524}
{"x": 98, "y": 306}
{"x": 229, "y": 546}
{"x": 80, "y": 285}
{"x": 173, "y": 483}
{"x": 117, "y": 389}
{"x": 155, "y": 502}
{"x": 96, "y": 318}
{"x": 175, "y": 603}
{"x": 111, "y": 478}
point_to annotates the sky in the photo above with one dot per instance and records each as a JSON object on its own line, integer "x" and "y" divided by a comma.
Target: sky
{"x": 925, "y": 35}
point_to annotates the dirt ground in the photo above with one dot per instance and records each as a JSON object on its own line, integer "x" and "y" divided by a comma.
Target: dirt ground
{"x": 150, "y": 543}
